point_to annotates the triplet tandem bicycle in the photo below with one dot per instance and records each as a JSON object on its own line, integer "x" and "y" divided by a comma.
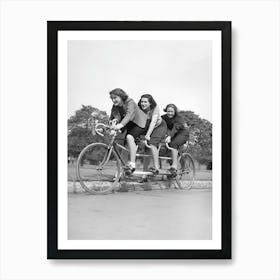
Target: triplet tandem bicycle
{"x": 101, "y": 167}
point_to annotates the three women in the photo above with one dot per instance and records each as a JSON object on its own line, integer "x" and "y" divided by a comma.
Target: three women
{"x": 145, "y": 120}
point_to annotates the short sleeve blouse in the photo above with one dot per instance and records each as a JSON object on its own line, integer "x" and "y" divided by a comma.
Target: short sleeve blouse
{"x": 153, "y": 112}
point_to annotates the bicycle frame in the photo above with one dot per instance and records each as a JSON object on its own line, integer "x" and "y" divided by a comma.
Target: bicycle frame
{"x": 123, "y": 162}
{"x": 114, "y": 146}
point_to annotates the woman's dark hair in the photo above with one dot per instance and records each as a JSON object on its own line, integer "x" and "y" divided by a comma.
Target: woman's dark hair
{"x": 119, "y": 92}
{"x": 151, "y": 100}
{"x": 172, "y": 106}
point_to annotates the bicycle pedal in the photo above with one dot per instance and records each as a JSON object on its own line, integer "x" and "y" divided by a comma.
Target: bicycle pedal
{"x": 171, "y": 176}
{"x": 128, "y": 171}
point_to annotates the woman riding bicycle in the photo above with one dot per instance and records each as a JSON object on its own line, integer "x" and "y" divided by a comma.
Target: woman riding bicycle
{"x": 155, "y": 129}
{"x": 129, "y": 117}
{"x": 177, "y": 133}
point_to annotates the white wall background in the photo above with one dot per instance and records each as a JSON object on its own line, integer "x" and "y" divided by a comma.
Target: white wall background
{"x": 255, "y": 150}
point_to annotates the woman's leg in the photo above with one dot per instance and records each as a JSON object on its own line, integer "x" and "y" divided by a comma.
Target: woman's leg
{"x": 174, "y": 155}
{"x": 133, "y": 132}
{"x": 155, "y": 155}
{"x": 132, "y": 148}
{"x": 146, "y": 160}
{"x": 158, "y": 134}
{"x": 175, "y": 143}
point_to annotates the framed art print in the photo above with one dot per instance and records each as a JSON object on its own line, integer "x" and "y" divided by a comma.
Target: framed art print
{"x": 139, "y": 140}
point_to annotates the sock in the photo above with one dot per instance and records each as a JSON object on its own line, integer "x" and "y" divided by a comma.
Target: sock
{"x": 132, "y": 164}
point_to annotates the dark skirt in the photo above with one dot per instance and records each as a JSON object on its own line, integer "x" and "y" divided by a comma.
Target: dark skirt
{"x": 158, "y": 134}
{"x": 134, "y": 130}
{"x": 179, "y": 139}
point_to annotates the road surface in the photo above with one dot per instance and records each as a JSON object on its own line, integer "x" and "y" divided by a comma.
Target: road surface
{"x": 141, "y": 215}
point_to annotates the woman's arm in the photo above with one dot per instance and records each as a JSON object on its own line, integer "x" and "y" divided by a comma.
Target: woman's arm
{"x": 167, "y": 120}
{"x": 130, "y": 112}
{"x": 152, "y": 126}
{"x": 114, "y": 114}
{"x": 173, "y": 131}
{"x": 177, "y": 126}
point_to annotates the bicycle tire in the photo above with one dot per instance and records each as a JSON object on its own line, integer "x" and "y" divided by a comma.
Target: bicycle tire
{"x": 186, "y": 171}
{"x": 97, "y": 173}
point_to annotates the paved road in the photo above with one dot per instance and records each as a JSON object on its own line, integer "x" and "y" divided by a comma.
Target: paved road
{"x": 157, "y": 214}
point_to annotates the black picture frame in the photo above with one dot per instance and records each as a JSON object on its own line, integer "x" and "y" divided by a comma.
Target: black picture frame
{"x": 52, "y": 88}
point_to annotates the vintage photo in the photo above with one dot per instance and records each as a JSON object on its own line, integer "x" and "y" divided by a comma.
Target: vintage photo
{"x": 147, "y": 107}
{"x": 139, "y": 120}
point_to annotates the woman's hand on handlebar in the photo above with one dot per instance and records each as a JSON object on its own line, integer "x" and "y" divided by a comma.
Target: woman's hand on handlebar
{"x": 118, "y": 126}
{"x": 114, "y": 125}
{"x": 113, "y": 122}
{"x": 147, "y": 137}
{"x": 168, "y": 139}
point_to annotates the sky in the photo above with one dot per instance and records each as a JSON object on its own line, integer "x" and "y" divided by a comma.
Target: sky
{"x": 177, "y": 71}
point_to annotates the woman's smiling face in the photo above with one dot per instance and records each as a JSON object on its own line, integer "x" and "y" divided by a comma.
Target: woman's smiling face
{"x": 117, "y": 101}
{"x": 170, "y": 112}
{"x": 145, "y": 103}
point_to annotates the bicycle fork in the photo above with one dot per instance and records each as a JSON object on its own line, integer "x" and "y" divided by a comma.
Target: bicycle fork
{"x": 106, "y": 158}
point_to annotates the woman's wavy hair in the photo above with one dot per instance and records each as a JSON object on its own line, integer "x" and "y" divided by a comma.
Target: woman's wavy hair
{"x": 119, "y": 92}
{"x": 151, "y": 100}
{"x": 172, "y": 106}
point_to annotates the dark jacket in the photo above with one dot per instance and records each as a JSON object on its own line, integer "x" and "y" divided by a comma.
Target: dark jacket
{"x": 131, "y": 113}
{"x": 174, "y": 125}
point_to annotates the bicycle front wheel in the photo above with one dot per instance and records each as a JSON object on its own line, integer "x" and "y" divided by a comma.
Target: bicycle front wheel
{"x": 98, "y": 168}
{"x": 186, "y": 171}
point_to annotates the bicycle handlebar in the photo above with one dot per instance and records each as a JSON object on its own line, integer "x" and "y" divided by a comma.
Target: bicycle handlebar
{"x": 167, "y": 146}
{"x": 149, "y": 146}
{"x": 97, "y": 128}
{"x": 102, "y": 126}
{"x": 146, "y": 144}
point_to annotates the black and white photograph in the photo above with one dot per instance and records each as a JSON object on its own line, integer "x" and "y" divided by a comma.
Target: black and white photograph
{"x": 139, "y": 144}
{"x": 139, "y": 140}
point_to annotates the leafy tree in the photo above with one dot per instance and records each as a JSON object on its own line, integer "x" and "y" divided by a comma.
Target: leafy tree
{"x": 80, "y": 134}
{"x": 80, "y": 128}
{"x": 200, "y": 131}
{"x": 78, "y": 138}
{"x": 85, "y": 116}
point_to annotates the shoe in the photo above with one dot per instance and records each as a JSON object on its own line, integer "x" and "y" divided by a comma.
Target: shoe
{"x": 129, "y": 169}
{"x": 154, "y": 171}
{"x": 173, "y": 172}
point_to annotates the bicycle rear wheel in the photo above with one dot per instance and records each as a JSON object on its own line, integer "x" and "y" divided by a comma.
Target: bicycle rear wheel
{"x": 98, "y": 168}
{"x": 186, "y": 171}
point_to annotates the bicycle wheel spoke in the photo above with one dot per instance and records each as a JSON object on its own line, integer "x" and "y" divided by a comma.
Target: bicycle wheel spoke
{"x": 97, "y": 169}
{"x": 186, "y": 171}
